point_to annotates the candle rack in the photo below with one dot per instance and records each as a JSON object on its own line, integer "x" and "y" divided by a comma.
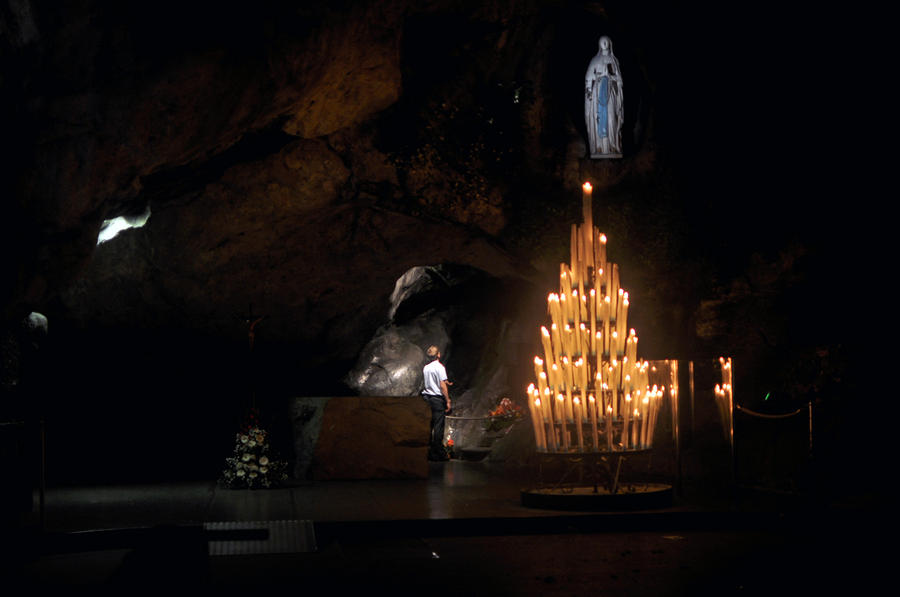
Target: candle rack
{"x": 593, "y": 400}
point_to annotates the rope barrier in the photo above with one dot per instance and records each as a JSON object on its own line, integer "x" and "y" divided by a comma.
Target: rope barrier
{"x": 767, "y": 416}
{"x": 472, "y": 418}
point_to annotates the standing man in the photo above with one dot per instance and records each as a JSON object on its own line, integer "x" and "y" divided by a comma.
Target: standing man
{"x": 437, "y": 395}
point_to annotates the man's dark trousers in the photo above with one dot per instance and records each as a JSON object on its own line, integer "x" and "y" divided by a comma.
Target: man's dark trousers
{"x": 436, "y": 446}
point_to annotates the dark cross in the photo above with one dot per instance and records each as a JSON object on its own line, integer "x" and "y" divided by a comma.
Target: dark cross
{"x": 251, "y": 322}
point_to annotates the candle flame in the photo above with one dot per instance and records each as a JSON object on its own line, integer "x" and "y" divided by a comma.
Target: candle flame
{"x": 586, "y": 187}
{"x": 537, "y": 401}
{"x": 590, "y": 398}
{"x": 602, "y": 238}
{"x": 545, "y": 332}
{"x": 560, "y": 397}
{"x": 538, "y": 361}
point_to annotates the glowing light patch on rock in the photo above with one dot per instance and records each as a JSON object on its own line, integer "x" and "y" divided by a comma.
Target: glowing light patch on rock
{"x": 114, "y": 226}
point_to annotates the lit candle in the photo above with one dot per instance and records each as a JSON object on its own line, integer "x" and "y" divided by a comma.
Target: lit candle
{"x": 626, "y": 419}
{"x": 539, "y": 425}
{"x": 606, "y": 336}
{"x": 535, "y": 416}
{"x": 573, "y": 260}
{"x": 547, "y": 405}
{"x": 637, "y": 427}
{"x": 592, "y": 408}
{"x": 592, "y": 317}
{"x": 568, "y": 338}
{"x": 601, "y": 252}
{"x": 646, "y": 440}
{"x": 564, "y": 307}
{"x": 538, "y": 367}
{"x": 585, "y": 341}
{"x": 555, "y": 376}
{"x": 614, "y": 395}
{"x": 615, "y": 279}
{"x": 567, "y": 372}
{"x": 555, "y": 310}
{"x": 631, "y": 350}
{"x": 623, "y": 315}
{"x": 581, "y": 369}
{"x": 578, "y": 431}
{"x": 581, "y": 264}
{"x": 557, "y": 342}
{"x": 542, "y": 436}
{"x": 584, "y": 305}
{"x": 609, "y": 429}
{"x": 586, "y": 205}
{"x": 562, "y": 424}
{"x": 548, "y": 349}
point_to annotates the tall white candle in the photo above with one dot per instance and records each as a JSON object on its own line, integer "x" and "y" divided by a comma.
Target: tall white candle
{"x": 587, "y": 205}
{"x": 579, "y": 433}
{"x": 609, "y": 428}
{"x": 626, "y": 417}
{"x": 548, "y": 348}
{"x": 557, "y": 342}
{"x": 592, "y": 409}
{"x": 562, "y": 423}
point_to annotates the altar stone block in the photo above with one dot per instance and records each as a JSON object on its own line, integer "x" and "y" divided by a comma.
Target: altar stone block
{"x": 364, "y": 437}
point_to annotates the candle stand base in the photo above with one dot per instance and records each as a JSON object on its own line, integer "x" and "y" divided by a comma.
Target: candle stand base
{"x": 590, "y": 482}
{"x": 629, "y": 496}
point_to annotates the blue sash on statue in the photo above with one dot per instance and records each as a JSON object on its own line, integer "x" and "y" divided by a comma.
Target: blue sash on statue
{"x": 602, "y": 101}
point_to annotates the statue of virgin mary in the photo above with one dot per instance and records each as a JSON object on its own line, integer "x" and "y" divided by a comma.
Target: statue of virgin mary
{"x": 603, "y": 103}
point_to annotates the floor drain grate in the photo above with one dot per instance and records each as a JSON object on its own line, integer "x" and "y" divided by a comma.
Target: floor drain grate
{"x": 278, "y": 536}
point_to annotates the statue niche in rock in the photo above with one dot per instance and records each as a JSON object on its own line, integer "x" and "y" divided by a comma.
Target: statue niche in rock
{"x": 603, "y": 112}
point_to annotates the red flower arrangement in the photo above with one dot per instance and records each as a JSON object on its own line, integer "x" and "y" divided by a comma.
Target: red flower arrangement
{"x": 506, "y": 413}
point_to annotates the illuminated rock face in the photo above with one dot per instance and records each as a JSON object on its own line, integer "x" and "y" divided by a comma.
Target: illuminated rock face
{"x": 300, "y": 157}
{"x": 430, "y": 305}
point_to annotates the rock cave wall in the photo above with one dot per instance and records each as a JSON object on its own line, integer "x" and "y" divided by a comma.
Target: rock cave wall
{"x": 298, "y": 159}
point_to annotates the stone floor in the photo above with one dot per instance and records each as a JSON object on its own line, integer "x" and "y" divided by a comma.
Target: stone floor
{"x": 463, "y": 529}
